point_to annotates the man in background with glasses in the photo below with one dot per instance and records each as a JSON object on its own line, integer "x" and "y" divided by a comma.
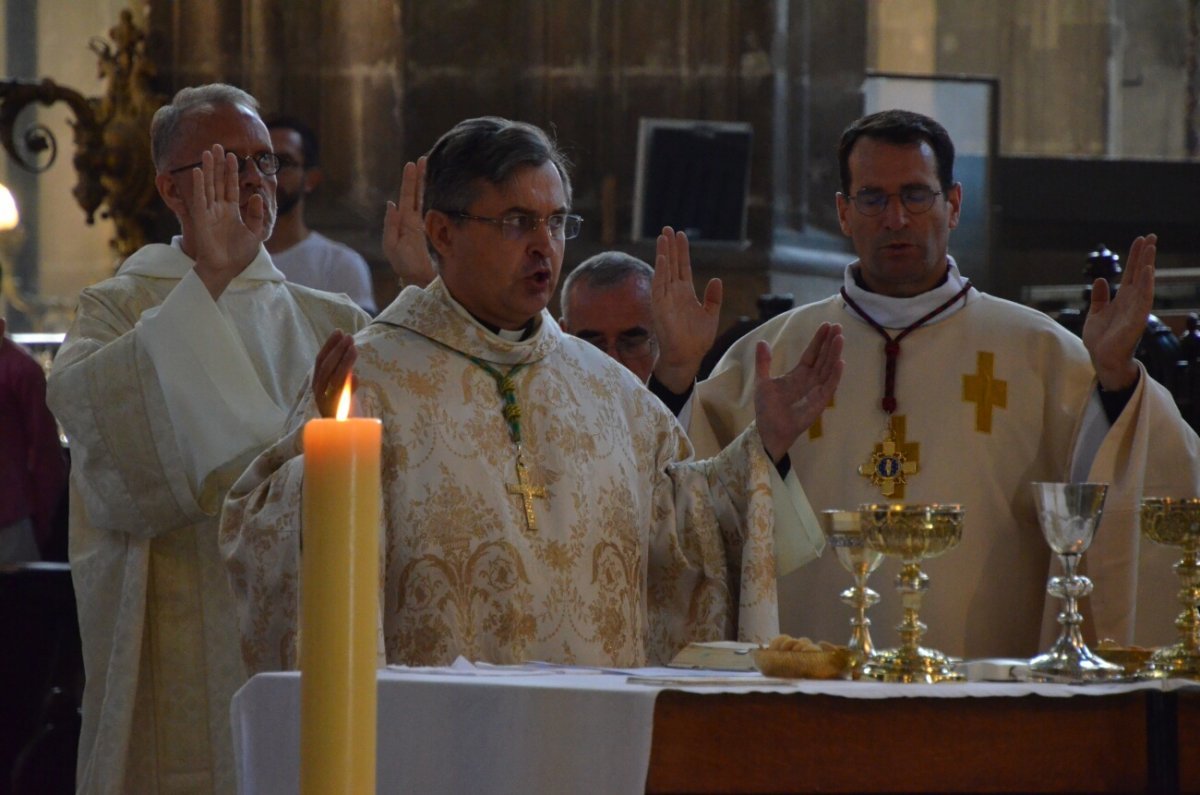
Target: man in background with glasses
{"x": 174, "y": 375}
{"x": 304, "y": 255}
{"x": 954, "y": 396}
{"x": 539, "y": 503}
{"x": 606, "y": 301}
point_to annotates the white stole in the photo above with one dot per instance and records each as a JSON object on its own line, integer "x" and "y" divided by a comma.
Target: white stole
{"x": 215, "y": 398}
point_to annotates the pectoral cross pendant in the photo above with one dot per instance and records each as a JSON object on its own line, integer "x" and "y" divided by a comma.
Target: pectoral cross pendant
{"x": 527, "y": 491}
{"x": 888, "y": 467}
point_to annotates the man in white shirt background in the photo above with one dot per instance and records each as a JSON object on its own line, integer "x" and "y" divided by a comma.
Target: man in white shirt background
{"x": 304, "y": 255}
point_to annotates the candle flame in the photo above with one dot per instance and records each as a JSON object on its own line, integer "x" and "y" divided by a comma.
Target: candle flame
{"x": 343, "y": 406}
{"x": 9, "y": 217}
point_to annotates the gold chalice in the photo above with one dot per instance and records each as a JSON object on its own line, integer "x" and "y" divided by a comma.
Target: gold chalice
{"x": 1176, "y": 523}
{"x": 843, "y": 530}
{"x": 911, "y": 533}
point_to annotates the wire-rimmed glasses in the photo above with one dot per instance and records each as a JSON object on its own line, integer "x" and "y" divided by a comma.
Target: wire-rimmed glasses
{"x": 515, "y": 226}
{"x": 916, "y": 199}
{"x": 267, "y": 163}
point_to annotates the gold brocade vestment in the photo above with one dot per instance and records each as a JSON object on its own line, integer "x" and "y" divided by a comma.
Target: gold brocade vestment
{"x": 638, "y": 550}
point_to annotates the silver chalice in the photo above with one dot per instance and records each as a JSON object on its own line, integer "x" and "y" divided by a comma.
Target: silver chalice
{"x": 1068, "y": 514}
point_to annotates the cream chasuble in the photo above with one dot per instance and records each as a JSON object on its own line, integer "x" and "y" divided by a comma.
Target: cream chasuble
{"x": 637, "y": 550}
{"x": 166, "y": 396}
{"x": 990, "y": 398}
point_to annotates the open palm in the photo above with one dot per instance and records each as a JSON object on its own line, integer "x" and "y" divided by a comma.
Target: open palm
{"x": 684, "y": 326}
{"x": 404, "y": 229}
{"x": 787, "y": 405}
{"x": 1115, "y": 325}
{"x": 225, "y": 242}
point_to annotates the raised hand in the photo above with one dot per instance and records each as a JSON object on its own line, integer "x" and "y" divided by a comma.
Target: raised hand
{"x": 334, "y": 364}
{"x": 1115, "y": 326}
{"x": 225, "y": 242}
{"x": 786, "y": 406}
{"x": 404, "y": 229}
{"x": 684, "y": 326}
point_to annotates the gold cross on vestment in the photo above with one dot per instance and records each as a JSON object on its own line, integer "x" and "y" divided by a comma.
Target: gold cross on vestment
{"x": 985, "y": 391}
{"x": 893, "y": 460}
{"x": 527, "y": 491}
{"x": 815, "y": 430}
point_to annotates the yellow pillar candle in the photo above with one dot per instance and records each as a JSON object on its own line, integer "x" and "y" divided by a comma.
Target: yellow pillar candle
{"x": 339, "y": 604}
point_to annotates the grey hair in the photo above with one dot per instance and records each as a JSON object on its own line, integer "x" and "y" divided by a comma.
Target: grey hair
{"x": 164, "y": 127}
{"x": 488, "y": 148}
{"x": 606, "y": 269}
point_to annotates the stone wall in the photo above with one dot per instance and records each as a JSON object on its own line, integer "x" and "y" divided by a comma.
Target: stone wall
{"x": 1093, "y": 91}
{"x": 381, "y": 80}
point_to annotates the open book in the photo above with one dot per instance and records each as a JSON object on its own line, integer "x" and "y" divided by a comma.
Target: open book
{"x": 718, "y": 655}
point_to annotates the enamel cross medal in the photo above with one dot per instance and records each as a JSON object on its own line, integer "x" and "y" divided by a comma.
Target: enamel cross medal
{"x": 888, "y": 467}
{"x": 895, "y": 458}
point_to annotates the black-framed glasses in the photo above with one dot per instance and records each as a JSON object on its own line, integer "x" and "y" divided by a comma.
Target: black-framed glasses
{"x": 633, "y": 344}
{"x": 515, "y": 226}
{"x": 917, "y": 199}
{"x": 267, "y": 163}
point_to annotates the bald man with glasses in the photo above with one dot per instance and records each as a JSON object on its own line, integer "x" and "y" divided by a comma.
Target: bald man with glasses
{"x": 606, "y": 300}
{"x": 174, "y": 375}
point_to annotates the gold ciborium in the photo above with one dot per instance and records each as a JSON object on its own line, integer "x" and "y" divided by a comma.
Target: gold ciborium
{"x": 1176, "y": 523}
{"x": 843, "y": 530}
{"x": 911, "y": 533}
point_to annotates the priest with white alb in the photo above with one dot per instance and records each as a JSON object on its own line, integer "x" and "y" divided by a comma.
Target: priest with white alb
{"x": 174, "y": 375}
{"x": 539, "y": 503}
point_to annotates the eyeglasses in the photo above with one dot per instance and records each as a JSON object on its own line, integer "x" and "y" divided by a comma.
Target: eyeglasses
{"x": 628, "y": 345}
{"x": 268, "y": 163}
{"x": 917, "y": 199}
{"x": 515, "y": 226}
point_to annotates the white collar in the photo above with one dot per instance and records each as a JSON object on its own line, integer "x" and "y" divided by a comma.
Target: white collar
{"x": 512, "y": 335}
{"x": 898, "y": 313}
{"x": 169, "y": 262}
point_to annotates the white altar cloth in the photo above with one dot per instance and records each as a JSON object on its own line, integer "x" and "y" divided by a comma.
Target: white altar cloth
{"x": 548, "y": 730}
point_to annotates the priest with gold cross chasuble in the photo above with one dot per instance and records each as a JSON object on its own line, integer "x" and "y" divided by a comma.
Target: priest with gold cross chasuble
{"x": 950, "y": 395}
{"x": 538, "y": 501}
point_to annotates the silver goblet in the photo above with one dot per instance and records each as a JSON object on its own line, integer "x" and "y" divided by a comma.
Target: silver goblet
{"x": 1068, "y": 514}
{"x": 843, "y": 530}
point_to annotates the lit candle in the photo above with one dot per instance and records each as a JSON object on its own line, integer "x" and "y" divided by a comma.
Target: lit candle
{"x": 339, "y": 603}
